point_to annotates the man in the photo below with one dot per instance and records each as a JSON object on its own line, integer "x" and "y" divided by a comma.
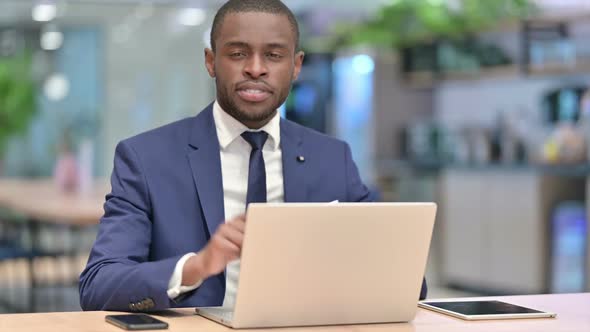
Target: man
{"x": 163, "y": 241}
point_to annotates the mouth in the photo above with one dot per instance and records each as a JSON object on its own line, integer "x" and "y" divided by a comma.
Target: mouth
{"x": 253, "y": 92}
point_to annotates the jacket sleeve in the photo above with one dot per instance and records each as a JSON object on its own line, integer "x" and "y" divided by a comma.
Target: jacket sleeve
{"x": 356, "y": 189}
{"x": 118, "y": 275}
{"x": 358, "y": 192}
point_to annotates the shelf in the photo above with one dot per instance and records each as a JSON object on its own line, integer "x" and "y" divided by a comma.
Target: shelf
{"x": 581, "y": 65}
{"x": 392, "y": 167}
{"x": 491, "y": 72}
{"x": 420, "y": 79}
{"x": 426, "y": 79}
{"x": 429, "y": 79}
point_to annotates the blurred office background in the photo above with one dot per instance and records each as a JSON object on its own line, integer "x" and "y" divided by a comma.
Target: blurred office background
{"x": 482, "y": 106}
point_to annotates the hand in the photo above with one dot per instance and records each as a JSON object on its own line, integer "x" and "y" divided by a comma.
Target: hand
{"x": 225, "y": 246}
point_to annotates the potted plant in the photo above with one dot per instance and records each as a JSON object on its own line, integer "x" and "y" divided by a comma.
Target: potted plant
{"x": 405, "y": 23}
{"x": 17, "y": 98}
{"x": 418, "y": 29}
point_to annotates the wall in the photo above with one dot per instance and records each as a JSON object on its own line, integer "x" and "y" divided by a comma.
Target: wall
{"x": 396, "y": 106}
{"x": 154, "y": 77}
{"x": 34, "y": 152}
{"x": 157, "y": 77}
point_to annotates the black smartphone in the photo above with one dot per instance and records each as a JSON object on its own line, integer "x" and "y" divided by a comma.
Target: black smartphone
{"x": 136, "y": 322}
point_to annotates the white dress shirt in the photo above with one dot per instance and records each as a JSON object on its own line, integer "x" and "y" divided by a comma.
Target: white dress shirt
{"x": 235, "y": 161}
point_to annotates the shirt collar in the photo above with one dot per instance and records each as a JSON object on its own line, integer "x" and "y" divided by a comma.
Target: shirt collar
{"x": 228, "y": 128}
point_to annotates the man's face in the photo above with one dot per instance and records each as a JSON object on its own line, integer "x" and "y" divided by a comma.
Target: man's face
{"x": 253, "y": 65}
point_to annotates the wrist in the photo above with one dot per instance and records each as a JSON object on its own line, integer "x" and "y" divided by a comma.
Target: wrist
{"x": 194, "y": 270}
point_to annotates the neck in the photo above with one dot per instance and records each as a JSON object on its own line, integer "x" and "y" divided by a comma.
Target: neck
{"x": 256, "y": 124}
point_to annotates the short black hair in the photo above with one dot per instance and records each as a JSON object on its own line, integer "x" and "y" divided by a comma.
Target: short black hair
{"x": 253, "y": 6}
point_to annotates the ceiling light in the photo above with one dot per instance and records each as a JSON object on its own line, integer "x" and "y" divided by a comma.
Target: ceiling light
{"x": 52, "y": 40}
{"x": 44, "y": 12}
{"x": 363, "y": 64}
{"x": 56, "y": 87}
{"x": 192, "y": 16}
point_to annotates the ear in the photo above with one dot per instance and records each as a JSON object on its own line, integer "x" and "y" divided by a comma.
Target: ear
{"x": 210, "y": 61}
{"x": 298, "y": 62}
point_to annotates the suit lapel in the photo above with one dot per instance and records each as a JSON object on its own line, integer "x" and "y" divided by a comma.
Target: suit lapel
{"x": 294, "y": 180}
{"x": 205, "y": 162}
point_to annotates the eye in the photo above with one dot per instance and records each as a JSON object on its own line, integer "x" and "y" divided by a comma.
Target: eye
{"x": 275, "y": 56}
{"x": 237, "y": 54}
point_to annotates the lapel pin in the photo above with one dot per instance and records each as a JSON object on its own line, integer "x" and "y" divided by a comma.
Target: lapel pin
{"x": 301, "y": 159}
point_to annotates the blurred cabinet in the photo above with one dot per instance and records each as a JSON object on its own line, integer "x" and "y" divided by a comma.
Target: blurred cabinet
{"x": 463, "y": 231}
{"x": 496, "y": 234}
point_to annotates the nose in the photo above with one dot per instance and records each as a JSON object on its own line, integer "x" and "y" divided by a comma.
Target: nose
{"x": 255, "y": 67}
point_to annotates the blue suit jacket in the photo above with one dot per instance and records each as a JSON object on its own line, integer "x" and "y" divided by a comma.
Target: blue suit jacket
{"x": 167, "y": 200}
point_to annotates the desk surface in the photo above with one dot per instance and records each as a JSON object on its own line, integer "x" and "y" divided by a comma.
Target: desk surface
{"x": 573, "y": 314}
{"x": 43, "y": 201}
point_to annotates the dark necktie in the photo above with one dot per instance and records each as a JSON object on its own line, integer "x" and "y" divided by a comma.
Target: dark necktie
{"x": 257, "y": 172}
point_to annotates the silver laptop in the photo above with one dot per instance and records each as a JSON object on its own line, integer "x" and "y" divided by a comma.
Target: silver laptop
{"x": 308, "y": 264}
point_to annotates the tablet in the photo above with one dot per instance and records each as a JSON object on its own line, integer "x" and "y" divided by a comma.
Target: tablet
{"x": 480, "y": 310}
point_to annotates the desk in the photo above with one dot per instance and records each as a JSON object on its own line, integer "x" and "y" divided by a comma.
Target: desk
{"x": 42, "y": 201}
{"x": 573, "y": 314}
{"x": 39, "y": 202}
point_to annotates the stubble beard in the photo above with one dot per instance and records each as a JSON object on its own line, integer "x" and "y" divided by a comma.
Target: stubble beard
{"x": 231, "y": 108}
